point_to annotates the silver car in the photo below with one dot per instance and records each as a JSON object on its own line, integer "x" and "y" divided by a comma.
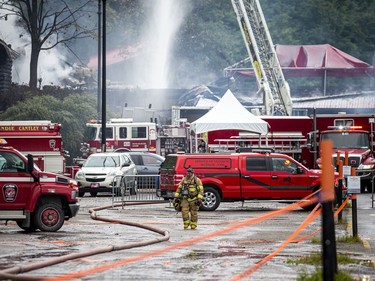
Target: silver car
{"x": 103, "y": 171}
{"x": 148, "y": 167}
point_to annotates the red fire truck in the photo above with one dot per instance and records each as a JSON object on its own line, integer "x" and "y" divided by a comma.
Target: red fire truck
{"x": 32, "y": 198}
{"x": 42, "y": 139}
{"x": 121, "y": 134}
{"x": 299, "y": 137}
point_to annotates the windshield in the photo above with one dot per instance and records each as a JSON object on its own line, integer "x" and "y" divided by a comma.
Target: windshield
{"x": 90, "y": 133}
{"x": 347, "y": 139}
{"x": 102, "y": 161}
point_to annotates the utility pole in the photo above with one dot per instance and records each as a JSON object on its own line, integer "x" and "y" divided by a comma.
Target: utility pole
{"x": 104, "y": 104}
{"x": 99, "y": 97}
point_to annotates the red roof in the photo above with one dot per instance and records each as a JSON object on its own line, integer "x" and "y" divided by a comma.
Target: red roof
{"x": 116, "y": 55}
{"x": 314, "y": 60}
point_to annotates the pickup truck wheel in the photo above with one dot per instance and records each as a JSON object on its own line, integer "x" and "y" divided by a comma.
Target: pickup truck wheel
{"x": 49, "y": 217}
{"x": 30, "y": 228}
{"x": 211, "y": 199}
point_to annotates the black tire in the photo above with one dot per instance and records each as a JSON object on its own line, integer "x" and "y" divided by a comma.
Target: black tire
{"x": 30, "y": 228}
{"x": 81, "y": 193}
{"x": 93, "y": 193}
{"x": 133, "y": 187}
{"x": 133, "y": 190}
{"x": 49, "y": 217}
{"x": 312, "y": 206}
{"x": 211, "y": 199}
{"x": 367, "y": 186}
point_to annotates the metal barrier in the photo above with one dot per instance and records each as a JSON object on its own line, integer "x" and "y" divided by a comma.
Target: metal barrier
{"x": 136, "y": 188}
{"x": 372, "y": 192}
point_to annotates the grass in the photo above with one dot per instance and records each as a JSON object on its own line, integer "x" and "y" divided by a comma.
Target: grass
{"x": 344, "y": 239}
{"x": 350, "y": 239}
{"x": 317, "y": 275}
{"x": 316, "y": 260}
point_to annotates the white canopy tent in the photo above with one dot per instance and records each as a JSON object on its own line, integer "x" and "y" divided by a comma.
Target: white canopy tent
{"x": 229, "y": 114}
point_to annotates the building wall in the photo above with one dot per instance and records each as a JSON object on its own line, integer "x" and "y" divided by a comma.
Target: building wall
{"x": 5, "y": 70}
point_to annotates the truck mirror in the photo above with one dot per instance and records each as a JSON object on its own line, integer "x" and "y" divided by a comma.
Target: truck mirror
{"x": 30, "y": 163}
{"x": 308, "y": 141}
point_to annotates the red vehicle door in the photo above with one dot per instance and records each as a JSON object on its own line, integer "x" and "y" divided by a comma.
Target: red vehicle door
{"x": 288, "y": 179}
{"x": 255, "y": 177}
{"x": 15, "y": 181}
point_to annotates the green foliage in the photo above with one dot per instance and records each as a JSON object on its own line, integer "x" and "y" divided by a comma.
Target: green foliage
{"x": 348, "y": 25}
{"x": 209, "y": 40}
{"x": 72, "y": 112}
{"x": 316, "y": 259}
{"x": 350, "y": 239}
{"x": 317, "y": 275}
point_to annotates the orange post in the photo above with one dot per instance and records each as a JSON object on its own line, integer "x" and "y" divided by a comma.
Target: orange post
{"x": 337, "y": 158}
{"x": 339, "y": 191}
{"x": 328, "y": 224}
{"x": 327, "y": 176}
{"x": 346, "y": 162}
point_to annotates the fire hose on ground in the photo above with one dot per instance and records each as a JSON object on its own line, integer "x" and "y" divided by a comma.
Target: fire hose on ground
{"x": 11, "y": 273}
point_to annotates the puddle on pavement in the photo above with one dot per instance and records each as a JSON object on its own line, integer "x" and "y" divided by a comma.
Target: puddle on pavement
{"x": 195, "y": 255}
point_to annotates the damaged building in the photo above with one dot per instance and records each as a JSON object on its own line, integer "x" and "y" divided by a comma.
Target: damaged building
{"x": 7, "y": 55}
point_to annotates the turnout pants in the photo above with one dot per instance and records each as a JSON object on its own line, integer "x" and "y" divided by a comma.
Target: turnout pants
{"x": 189, "y": 212}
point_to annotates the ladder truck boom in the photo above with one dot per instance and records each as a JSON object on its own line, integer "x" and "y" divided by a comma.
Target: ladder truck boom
{"x": 259, "y": 45}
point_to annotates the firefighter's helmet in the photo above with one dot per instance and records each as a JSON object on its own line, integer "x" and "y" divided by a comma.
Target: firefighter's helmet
{"x": 177, "y": 205}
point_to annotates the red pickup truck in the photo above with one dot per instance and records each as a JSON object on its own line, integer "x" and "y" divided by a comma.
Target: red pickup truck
{"x": 32, "y": 198}
{"x": 240, "y": 177}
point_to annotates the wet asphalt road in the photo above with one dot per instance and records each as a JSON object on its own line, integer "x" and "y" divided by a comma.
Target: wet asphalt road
{"x": 218, "y": 257}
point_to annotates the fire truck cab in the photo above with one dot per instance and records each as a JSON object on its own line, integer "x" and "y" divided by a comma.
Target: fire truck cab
{"x": 121, "y": 133}
{"x": 357, "y": 144}
{"x": 41, "y": 138}
{"x": 32, "y": 198}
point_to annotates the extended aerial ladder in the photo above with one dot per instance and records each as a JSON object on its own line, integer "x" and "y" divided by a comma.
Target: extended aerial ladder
{"x": 259, "y": 45}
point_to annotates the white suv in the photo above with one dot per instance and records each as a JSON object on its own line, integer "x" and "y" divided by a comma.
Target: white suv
{"x": 103, "y": 171}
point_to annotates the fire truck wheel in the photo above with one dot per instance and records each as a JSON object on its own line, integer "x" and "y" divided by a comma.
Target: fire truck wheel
{"x": 30, "y": 228}
{"x": 93, "y": 193}
{"x": 211, "y": 199}
{"x": 49, "y": 217}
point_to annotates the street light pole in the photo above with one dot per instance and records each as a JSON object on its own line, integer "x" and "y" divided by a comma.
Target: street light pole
{"x": 99, "y": 84}
{"x": 104, "y": 84}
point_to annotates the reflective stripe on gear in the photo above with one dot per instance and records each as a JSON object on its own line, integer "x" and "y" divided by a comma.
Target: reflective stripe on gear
{"x": 186, "y": 224}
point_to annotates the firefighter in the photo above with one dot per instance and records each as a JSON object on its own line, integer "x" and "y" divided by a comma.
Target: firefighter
{"x": 189, "y": 195}
{"x": 202, "y": 146}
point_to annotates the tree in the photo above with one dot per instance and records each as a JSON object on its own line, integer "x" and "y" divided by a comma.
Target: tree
{"x": 48, "y": 23}
{"x": 73, "y": 112}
